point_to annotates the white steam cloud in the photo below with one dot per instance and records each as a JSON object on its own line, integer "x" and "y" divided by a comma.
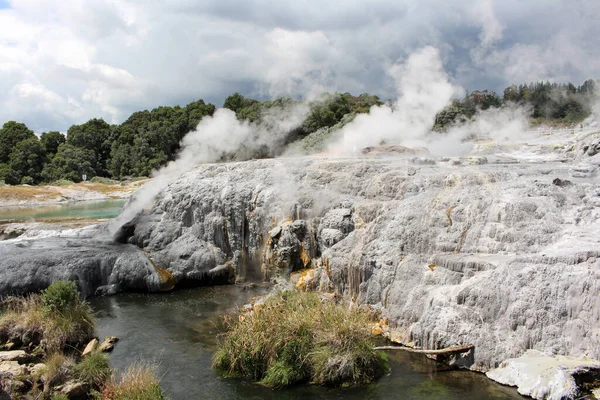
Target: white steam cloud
{"x": 215, "y": 136}
{"x": 423, "y": 88}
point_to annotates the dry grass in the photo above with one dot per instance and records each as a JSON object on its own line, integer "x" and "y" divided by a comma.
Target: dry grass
{"x": 57, "y": 370}
{"x": 21, "y": 193}
{"x": 56, "y": 191}
{"x": 24, "y": 320}
{"x": 139, "y": 382}
{"x": 295, "y": 337}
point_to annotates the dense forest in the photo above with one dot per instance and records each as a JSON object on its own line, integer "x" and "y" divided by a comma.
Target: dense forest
{"x": 150, "y": 139}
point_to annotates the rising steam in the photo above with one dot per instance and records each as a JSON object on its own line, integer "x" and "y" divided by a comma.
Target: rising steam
{"x": 423, "y": 89}
{"x": 215, "y": 136}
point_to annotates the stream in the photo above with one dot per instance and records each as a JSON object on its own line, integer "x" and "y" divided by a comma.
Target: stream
{"x": 178, "y": 331}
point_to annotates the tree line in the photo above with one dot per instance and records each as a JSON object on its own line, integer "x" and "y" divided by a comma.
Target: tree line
{"x": 148, "y": 140}
{"x": 562, "y": 103}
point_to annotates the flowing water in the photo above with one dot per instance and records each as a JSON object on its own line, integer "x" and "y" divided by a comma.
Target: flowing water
{"x": 178, "y": 330}
{"x": 85, "y": 209}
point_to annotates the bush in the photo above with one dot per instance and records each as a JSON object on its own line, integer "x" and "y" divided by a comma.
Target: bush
{"x": 94, "y": 369}
{"x": 53, "y": 320}
{"x": 294, "y": 337}
{"x": 139, "y": 382}
{"x": 27, "y": 180}
{"x": 60, "y": 296}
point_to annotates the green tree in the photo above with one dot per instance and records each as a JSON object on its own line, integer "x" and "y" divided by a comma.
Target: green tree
{"x": 149, "y": 139}
{"x": 51, "y": 141}
{"x": 4, "y": 171}
{"x": 95, "y": 135}
{"x": 70, "y": 163}
{"x": 26, "y": 162}
{"x": 235, "y": 102}
{"x": 12, "y": 133}
{"x": 196, "y": 111}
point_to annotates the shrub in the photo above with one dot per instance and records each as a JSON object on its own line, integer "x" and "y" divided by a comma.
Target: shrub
{"x": 94, "y": 369}
{"x": 60, "y": 296}
{"x": 29, "y": 320}
{"x": 139, "y": 382}
{"x": 294, "y": 337}
{"x": 59, "y": 396}
{"x": 27, "y": 180}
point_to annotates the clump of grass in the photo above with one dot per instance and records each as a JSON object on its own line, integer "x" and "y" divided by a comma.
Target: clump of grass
{"x": 295, "y": 337}
{"x": 139, "y": 382}
{"x": 54, "y": 319}
{"x": 94, "y": 369}
{"x": 57, "y": 370}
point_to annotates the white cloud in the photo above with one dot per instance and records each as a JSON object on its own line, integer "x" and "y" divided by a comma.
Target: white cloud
{"x": 108, "y": 58}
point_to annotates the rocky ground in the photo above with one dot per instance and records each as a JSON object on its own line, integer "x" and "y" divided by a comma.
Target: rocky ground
{"x": 498, "y": 249}
{"x": 23, "y": 373}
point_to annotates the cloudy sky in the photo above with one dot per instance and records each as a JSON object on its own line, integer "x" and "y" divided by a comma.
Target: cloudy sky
{"x": 66, "y": 61}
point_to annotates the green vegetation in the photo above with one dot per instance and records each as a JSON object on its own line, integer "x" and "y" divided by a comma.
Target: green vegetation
{"x": 57, "y": 370}
{"x": 551, "y": 103}
{"x": 56, "y": 324}
{"x": 147, "y": 140}
{"x": 295, "y": 337}
{"x": 53, "y": 320}
{"x": 139, "y": 382}
{"x": 60, "y": 296}
{"x": 94, "y": 370}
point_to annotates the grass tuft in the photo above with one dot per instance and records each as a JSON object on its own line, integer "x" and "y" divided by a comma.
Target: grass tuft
{"x": 57, "y": 369}
{"x": 139, "y": 382}
{"x": 294, "y": 337}
{"x": 94, "y": 369}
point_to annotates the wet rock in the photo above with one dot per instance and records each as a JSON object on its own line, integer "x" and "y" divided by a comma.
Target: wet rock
{"x": 107, "y": 290}
{"x": 90, "y": 347}
{"x": 291, "y": 250}
{"x": 108, "y": 344}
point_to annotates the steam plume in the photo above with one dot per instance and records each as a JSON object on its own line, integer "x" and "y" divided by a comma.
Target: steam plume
{"x": 423, "y": 88}
{"x": 215, "y": 135}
